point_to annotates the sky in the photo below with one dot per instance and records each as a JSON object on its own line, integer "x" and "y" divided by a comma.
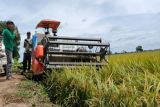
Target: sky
{"x": 125, "y": 24}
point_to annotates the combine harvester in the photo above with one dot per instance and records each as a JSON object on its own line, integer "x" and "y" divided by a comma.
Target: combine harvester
{"x": 52, "y": 51}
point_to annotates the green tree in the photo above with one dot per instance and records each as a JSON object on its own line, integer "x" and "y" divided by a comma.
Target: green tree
{"x": 139, "y": 49}
{"x": 16, "y": 54}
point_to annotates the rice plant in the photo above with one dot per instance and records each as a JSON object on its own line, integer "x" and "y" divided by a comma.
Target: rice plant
{"x": 129, "y": 80}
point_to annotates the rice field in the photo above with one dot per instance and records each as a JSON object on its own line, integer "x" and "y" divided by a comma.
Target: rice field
{"x": 129, "y": 80}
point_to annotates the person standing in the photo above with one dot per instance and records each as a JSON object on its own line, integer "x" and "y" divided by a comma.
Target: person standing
{"x": 27, "y": 53}
{"x": 8, "y": 40}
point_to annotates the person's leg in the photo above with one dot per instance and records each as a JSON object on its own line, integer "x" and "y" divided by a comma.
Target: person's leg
{"x": 24, "y": 62}
{"x": 9, "y": 63}
{"x": 29, "y": 61}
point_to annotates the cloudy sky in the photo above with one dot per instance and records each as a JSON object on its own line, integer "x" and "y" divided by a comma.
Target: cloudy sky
{"x": 123, "y": 23}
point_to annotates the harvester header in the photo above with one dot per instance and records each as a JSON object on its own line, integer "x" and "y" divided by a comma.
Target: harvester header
{"x": 54, "y": 51}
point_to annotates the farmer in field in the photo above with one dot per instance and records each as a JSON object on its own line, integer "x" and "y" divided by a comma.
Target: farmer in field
{"x": 8, "y": 40}
{"x": 27, "y": 53}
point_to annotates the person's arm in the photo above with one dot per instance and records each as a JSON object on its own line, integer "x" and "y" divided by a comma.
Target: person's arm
{"x": 8, "y": 34}
{"x": 25, "y": 44}
{"x": 31, "y": 43}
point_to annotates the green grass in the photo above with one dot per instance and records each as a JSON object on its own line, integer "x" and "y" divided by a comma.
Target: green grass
{"x": 16, "y": 64}
{"x": 129, "y": 80}
{"x": 33, "y": 93}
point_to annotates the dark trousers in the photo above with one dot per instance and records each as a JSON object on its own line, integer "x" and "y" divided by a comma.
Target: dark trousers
{"x": 26, "y": 61}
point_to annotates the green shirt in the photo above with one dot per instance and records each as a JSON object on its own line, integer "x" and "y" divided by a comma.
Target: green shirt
{"x": 8, "y": 39}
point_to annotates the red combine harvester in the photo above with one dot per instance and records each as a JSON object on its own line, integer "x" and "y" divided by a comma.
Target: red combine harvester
{"x": 52, "y": 51}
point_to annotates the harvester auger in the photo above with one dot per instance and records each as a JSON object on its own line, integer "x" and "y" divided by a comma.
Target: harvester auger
{"x": 52, "y": 51}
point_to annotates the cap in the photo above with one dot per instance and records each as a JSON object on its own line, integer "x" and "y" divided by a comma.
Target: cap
{"x": 9, "y": 22}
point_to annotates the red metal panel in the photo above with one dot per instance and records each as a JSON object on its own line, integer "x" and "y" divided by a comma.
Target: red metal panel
{"x": 48, "y": 24}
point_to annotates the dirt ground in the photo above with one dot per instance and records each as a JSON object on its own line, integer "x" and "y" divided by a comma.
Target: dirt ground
{"x": 7, "y": 90}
